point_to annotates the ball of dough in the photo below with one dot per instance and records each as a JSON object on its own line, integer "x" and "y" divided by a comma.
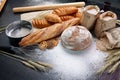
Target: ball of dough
{"x": 76, "y": 38}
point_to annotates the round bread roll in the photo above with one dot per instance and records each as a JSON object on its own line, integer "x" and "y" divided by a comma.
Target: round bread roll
{"x": 76, "y": 38}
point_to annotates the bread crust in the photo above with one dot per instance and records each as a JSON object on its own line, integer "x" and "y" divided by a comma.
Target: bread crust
{"x": 53, "y": 18}
{"x": 40, "y": 23}
{"x": 65, "y": 11}
{"x": 65, "y": 18}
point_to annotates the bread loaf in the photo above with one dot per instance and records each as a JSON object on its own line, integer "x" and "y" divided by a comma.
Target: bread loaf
{"x": 40, "y": 23}
{"x": 53, "y": 18}
{"x": 76, "y": 38}
{"x": 78, "y": 15}
{"x": 65, "y": 11}
{"x": 65, "y": 18}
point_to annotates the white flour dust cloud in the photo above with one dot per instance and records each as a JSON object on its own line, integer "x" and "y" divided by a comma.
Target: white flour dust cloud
{"x": 74, "y": 65}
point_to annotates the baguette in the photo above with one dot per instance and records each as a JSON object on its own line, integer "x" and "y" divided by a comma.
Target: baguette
{"x": 78, "y": 15}
{"x": 48, "y": 33}
{"x": 65, "y": 18}
{"x": 65, "y": 11}
{"x": 40, "y": 23}
{"x": 53, "y": 18}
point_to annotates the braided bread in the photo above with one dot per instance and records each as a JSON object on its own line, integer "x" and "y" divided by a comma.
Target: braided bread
{"x": 65, "y": 11}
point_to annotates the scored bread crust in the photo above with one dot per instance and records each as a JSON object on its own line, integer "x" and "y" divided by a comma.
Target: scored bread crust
{"x": 65, "y": 11}
{"x": 53, "y": 18}
{"x": 65, "y": 18}
{"x": 40, "y": 23}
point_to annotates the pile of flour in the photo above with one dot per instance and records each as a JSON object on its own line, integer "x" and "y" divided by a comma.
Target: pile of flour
{"x": 74, "y": 65}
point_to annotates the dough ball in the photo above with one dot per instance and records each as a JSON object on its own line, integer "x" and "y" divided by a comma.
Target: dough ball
{"x": 76, "y": 38}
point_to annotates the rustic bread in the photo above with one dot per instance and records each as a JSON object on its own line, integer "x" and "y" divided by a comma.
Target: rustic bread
{"x": 76, "y": 38}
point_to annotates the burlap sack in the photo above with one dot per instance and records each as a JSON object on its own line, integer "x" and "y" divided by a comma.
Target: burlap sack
{"x": 111, "y": 39}
{"x": 106, "y": 21}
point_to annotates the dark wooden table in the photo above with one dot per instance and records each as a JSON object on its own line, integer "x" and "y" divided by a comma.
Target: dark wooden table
{"x": 14, "y": 70}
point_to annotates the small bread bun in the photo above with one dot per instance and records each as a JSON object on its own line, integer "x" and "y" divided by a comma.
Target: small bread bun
{"x": 76, "y": 38}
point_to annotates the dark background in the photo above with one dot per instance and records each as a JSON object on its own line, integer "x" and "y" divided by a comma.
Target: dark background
{"x": 14, "y": 70}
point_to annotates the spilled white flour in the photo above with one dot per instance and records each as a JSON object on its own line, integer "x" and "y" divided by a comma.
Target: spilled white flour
{"x": 74, "y": 65}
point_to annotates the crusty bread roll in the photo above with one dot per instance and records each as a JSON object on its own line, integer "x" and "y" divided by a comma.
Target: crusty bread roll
{"x": 76, "y": 38}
